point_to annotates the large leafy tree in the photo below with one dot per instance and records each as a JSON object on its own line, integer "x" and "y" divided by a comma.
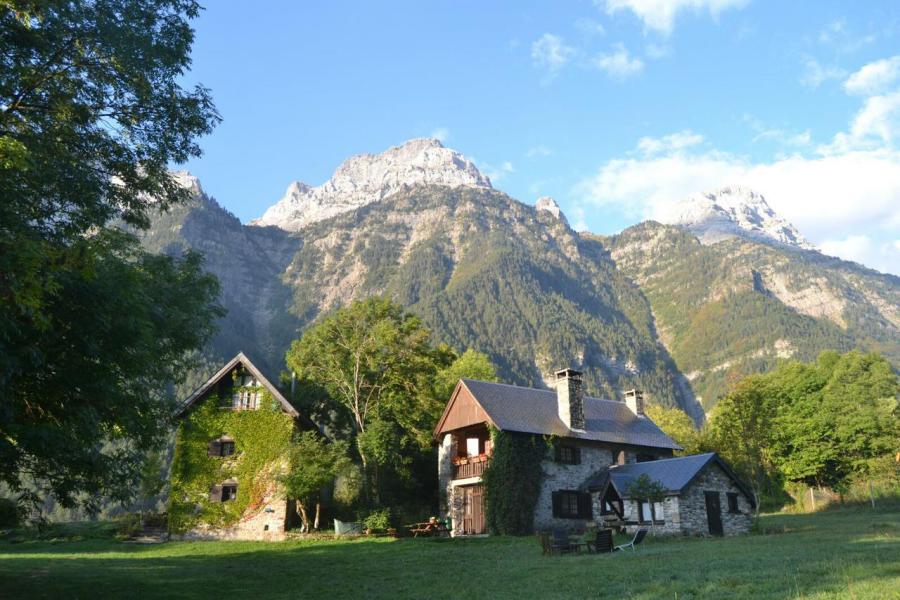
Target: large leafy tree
{"x": 376, "y": 365}
{"x": 678, "y": 426}
{"x": 381, "y": 384}
{"x": 838, "y": 416}
{"x": 91, "y": 327}
{"x": 314, "y": 463}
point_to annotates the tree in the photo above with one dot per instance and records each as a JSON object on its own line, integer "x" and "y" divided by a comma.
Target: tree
{"x": 92, "y": 329}
{"x": 469, "y": 365}
{"x": 739, "y": 429}
{"x": 837, "y": 420}
{"x": 646, "y": 489}
{"x": 678, "y": 426}
{"x": 314, "y": 463}
{"x": 376, "y": 365}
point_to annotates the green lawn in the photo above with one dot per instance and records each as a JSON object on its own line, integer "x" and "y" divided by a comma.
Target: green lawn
{"x": 839, "y": 554}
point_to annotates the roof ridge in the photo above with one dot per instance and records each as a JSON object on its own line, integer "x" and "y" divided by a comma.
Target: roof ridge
{"x": 659, "y": 460}
{"x": 534, "y": 389}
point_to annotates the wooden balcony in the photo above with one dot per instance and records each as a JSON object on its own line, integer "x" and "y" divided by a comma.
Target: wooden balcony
{"x": 469, "y": 466}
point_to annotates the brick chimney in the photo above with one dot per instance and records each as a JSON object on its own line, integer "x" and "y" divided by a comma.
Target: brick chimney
{"x": 570, "y": 398}
{"x": 635, "y": 401}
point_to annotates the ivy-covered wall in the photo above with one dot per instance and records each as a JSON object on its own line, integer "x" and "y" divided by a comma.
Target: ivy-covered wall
{"x": 262, "y": 442}
{"x": 512, "y": 481}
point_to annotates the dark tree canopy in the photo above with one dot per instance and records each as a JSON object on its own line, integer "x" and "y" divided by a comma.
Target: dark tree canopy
{"x": 92, "y": 328}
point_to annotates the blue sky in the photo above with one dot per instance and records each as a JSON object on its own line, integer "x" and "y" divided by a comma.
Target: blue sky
{"x": 616, "y": 108}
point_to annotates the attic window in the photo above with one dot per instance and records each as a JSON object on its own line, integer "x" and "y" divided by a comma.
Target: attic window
{"x": 246, "y": 392}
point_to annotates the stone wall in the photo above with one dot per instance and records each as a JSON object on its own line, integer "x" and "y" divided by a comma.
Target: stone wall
{"x": 670, "y": 525}
{"x": 693, "y": 504}
{"x": 265, "y": 524}
{"x": 594, "y": 457}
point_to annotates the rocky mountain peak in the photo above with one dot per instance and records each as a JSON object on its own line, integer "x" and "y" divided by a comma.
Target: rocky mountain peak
{"x": 549, "y": 204}
{"x": 368, "y": 178}
{"x": 733, "y": 211}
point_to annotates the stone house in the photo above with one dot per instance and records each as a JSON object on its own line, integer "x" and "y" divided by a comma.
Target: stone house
{"x": 233, "y": 438}
{"x": 702, "y": 496}
{"x": 587, "y": 438}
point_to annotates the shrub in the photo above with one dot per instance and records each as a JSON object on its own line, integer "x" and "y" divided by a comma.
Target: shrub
{"x": 379, "y": 519}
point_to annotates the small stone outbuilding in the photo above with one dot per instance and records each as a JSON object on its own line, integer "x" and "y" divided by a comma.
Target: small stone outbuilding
{"x": 703, "y": 497}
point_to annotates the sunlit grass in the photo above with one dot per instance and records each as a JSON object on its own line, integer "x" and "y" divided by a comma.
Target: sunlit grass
{"x": 851, "y": 554}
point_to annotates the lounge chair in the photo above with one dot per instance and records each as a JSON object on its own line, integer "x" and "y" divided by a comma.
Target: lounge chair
{"x": 638, "y": 538}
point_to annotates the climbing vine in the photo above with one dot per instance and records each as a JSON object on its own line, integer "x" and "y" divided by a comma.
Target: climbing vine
{"x": 262, "y": 443}
{"x": 512, "y": 481}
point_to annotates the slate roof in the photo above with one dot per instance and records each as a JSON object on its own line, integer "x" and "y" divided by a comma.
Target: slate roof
{"x": 241, "y": 358}
{"x": 674, "y": 474}
{"x": 529, "y": 410}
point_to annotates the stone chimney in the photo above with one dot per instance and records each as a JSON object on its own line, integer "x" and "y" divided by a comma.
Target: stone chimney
{"x": 570, "y": 398}
{"x": 635, "y": 401}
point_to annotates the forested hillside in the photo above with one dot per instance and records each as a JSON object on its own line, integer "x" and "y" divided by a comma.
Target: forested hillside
{"x": 737, "y": 306}
{"x": 482, "y": 270}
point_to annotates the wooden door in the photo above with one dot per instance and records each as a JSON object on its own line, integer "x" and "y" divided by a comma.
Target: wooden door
{"x": 713, "y": 513}
{"x": 473, "y": 509}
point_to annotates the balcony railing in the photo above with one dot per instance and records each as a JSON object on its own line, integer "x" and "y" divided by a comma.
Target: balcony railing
{"x": 470, "y": 466}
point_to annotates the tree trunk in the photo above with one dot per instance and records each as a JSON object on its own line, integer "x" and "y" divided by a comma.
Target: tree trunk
{"x": 304, "y": 519}
{"x": 318, "y": 513}
{"x": 812, "y": 499}
{"x": 871, "y": 495}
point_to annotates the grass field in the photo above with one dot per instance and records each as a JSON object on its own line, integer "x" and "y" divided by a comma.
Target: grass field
{"x": 835, "y": 554}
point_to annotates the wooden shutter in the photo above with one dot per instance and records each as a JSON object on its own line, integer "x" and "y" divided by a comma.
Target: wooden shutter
{"x": 215, "y": 493}
{"x": 585, "y": 510}
{"x": 557, "y": 503}
{"x": 214, "y": 448}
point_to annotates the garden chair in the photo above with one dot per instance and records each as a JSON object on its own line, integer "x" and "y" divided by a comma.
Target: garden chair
{"x": 638, "y": 538}
{"x": 561, "y": 542}
{"x": 603, "y": 542}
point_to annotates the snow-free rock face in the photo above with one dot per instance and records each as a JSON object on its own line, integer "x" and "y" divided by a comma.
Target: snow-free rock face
{"x": 368, "y": 178}
{"x": 549, "y": 204}
{"x": 733, "y": 212}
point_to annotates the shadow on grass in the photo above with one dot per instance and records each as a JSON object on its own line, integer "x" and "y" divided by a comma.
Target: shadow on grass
{"x": 835, "y": 557}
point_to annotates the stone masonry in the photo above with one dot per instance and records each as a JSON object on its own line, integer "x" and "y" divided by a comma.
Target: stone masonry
{"x": 693, "y": 504}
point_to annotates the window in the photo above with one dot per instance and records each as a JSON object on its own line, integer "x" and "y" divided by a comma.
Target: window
{"x": 246, "y": 395}
{"x": 223, "y": 446}
{"x": 229, "y": 492}
{"x": 472, "y": 446}
{"x": 568, "y": 455}
{"x": 645, "y": 457}
{"x": 732, "y": 502}
{"x": 648, "y": 511}
{"x": 571, "y": 504}
{"x": 225, "y": 492}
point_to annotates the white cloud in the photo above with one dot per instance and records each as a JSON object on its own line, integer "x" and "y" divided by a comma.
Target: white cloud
{"x": 815, "y": 74}
{"x": 551, "y": 53}
{"x": 539, "y": 150}
{"x": 831, "y": 31}
{"x": 875, "y": 77}
{"x": 862, "y": 249}
{"x": 672, "y": 143}
{"x": 782, "y": 137}
{"x": 442, "y": 134}
{"x": 876, "y": 125}
{"x": 659, "y": 15}
{"x": 827, "y": 197}
{"x": 619, "y": 63}
{"x": 657, "y": 51}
